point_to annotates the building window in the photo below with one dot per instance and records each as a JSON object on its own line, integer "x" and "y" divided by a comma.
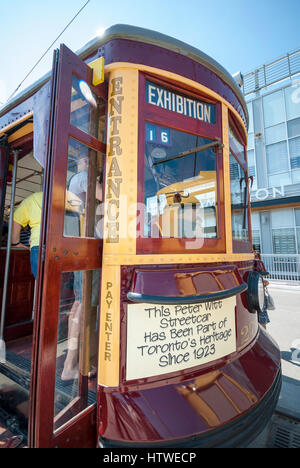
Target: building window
{"x": 273, "y": 106}
{"x": 292, "y": 101}
{"x": 284, "y": 241}
{"x": 282, "y": 136}
{"x": 277, "y": 157}
{"x": 294, "y": 147}
{"x": 293, "y": 127}
{"x": 275, "y": 134}
{"x": 256, "y": 240}
{"x": 250, "y": 112}
{"x": 297, "y": 219}
{"x": 250, "y": 141}
{"x": 252, "y": 169}
{"x": 279, "y": 180}
{"x": 283, "y": 232}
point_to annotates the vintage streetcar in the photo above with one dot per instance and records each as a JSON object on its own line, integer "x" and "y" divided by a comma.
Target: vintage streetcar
{"x": 140, "y": 327}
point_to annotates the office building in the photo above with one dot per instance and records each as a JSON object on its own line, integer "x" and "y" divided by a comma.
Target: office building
{"x": 272, "y": 92}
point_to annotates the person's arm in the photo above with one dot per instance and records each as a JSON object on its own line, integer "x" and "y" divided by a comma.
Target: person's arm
{"x": 99, "y": 191}
{"x": 15, "y": 236}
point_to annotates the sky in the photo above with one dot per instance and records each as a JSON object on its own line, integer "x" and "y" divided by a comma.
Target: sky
{"x": 241, "y": 35}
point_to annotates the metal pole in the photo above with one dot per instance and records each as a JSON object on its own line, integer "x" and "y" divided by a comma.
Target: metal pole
{"x": 215, "y": 143}
{"x": 35, "y": 284}
{"x": 4, "y": 183}
{"x": 8, "y": 249}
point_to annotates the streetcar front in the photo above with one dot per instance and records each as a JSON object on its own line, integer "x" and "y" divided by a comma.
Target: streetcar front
{"x": 145, "y": 254}
{"x": 183, "y": 360}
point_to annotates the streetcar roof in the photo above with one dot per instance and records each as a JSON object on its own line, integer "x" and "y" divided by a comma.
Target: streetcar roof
{"x": 125, "y": 31}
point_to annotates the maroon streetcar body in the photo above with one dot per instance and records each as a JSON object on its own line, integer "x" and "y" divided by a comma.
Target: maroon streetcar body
{"x": 141, "y": 329}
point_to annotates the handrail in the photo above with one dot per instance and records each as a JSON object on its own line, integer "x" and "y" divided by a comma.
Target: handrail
{"x": 286, "y": 66}
{"x": 8, "y": 249}
{"x": 215, "y": 296}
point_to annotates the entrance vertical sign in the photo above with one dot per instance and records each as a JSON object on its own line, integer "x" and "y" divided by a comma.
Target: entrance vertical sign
{"x": 119, "y": 212}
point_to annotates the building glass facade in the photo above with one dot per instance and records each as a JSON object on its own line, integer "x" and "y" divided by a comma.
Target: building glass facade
{"x": 274, "y": 155}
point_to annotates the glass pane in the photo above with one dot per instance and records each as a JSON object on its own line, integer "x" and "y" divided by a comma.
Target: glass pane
{"x": 284, "y": 241}
{"x": 275, "y": 134}
{"x": 273, "y": 107}
{"x": 296, "y": 176}
{"x": 180, "y": 194}
{"x": 252, "y": 169}
{"x": 255, "y": 221}
{"x": 239, "y": 200}
{"x": 292, "y": 100}
{"x": 293, "y": 128}
{"x": 235, "y": 144}
{"x": 297, "y": 216}
{"x": 77, "y": 350}
{"x": 250, "y": 141}
{"x": 84, "y": 191}
{"x": 277, "y": 157}
{"x": 282, "y": 218}
{"x": 279, "y": 180}
{"x": 294, "y": 146}
{"x": 250, "y": 112}
{"x": 256, "y": 240}
{"x": 87, "y": 110}
{"x": 298, "y": 239}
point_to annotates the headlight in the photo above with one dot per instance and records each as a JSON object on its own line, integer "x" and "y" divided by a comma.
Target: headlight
{"x": 255, "y": 292}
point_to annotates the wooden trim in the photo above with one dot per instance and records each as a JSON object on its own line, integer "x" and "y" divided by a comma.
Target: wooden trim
{"x": 87, "y": 139}
{"x": 242, "y": 135}
{"x": 227, "y": 195}
{"x": 275, "y": 207}
{"x": 15, "y": 123}
{"x": 187, "y": 83}
{"x": 186, "y": 258}
{"x": 148, "y": 112}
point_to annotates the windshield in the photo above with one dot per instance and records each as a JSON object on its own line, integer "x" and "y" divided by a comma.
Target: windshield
{"x": 180, "y": 193}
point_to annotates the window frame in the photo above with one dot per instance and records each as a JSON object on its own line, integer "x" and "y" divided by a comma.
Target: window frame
{"x": 165, "y": 118}
{"x": 239, "y": 245}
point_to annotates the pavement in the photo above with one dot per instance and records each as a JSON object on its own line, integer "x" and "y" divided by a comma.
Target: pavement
{"x": 284, "y": 327}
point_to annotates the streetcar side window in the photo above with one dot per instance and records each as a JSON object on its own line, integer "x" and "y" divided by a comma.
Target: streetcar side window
{"x": 239, "y": 200}
{"x": 236, "y": 145}
{"x": 180, "y": 189}
{"x": 238, "y": 184}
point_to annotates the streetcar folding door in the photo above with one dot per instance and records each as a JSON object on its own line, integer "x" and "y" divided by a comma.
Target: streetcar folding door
{"x": 63, "y": 412}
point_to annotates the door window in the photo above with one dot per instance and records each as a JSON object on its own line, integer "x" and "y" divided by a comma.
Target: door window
{"x": 84, "y": 191}
{"x": 87, "y": 110}
{"x": 68, "y": 300}
{"x": 76, "y": 356}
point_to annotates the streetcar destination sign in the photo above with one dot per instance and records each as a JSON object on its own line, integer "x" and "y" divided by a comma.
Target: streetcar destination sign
{"x": 180, "y": 104}
{"x": 169, "y": 338}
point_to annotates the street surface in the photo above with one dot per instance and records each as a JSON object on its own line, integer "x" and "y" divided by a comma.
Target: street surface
{"x": 284, "y": 327}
